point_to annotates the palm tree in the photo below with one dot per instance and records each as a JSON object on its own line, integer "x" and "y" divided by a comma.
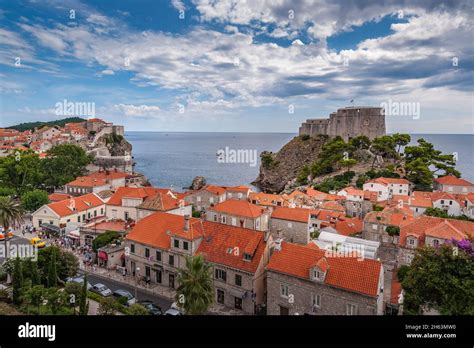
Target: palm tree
{"x": 11, "y": 214}
{"x": 195, "y": 292}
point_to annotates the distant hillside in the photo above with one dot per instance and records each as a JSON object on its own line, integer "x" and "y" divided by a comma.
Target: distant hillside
{"x": 32, "y": 125}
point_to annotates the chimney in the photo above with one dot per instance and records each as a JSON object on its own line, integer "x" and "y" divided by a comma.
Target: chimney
{"x": 186, "y": 223}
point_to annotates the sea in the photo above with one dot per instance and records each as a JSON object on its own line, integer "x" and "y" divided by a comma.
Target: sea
{"x": 173, "y": 159}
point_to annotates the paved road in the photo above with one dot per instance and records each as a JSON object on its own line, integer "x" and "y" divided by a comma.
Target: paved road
{"x": 113, "y": 285}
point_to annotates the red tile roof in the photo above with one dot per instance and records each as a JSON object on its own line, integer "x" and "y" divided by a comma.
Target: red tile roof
{"x": 390, "y": 216}
{"x": 87, "y": 181}
{"x": 239, "y": 208}
{"x": 331, "y": 205}
{"x": 293, "y": 214}
{"x": 81, "y": 203}
{"x": 349, "y": 227}
{"x": 387, "y": 181}
{"x": 56, "y": 197}
{"x": 437, "y": 227}
{"x": 452, "y": 180}
{"x": 217, "y": 190}
{"x": 221, "y": 242}
{"x": 156, "y": 230}
{"x": 266, "y": 199}
{"x": 342, "y": 272}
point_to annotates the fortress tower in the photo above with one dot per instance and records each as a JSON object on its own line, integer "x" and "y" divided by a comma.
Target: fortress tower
{"x": 348, "y": 123}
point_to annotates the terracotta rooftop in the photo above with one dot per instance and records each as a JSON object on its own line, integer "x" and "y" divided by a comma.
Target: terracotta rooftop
{"x": 342, "y": 272}
{"x": 388, "y": 181}
{"x": 81, "y": 203}
{"x": 437, "y": 227}
{"x": 239, "y": 208}
{"x": 56, "y": 197}
{"x": 266, "y": 199}
{"x": 349, "y": 227}
{"x": 87, "y": 181}
{"x": 293, "y": 214}
{"x": 452, "y": 180}
{"x": 390, "y": 216}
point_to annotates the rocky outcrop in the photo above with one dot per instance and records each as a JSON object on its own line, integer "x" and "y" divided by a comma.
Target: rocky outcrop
{"x": 198, "y": 183}
{"x": 277, "y": 169}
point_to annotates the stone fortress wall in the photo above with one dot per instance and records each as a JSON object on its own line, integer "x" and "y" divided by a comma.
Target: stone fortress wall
{"x": 348, "y": 123}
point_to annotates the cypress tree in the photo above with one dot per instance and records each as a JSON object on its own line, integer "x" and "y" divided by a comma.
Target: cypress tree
{"x": 17, "y": 281}
{"x": 83, "y": 303}
{"x": 52, "y": 280}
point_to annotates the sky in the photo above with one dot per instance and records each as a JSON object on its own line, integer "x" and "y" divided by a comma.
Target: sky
{"x": 238, "y": 66}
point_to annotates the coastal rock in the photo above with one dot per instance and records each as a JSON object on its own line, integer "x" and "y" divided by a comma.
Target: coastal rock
{"x": 277, "y": 169}
{"x": 198, "y": 183}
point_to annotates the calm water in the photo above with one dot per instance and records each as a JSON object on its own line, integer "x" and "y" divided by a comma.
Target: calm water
{"x": 176, "y": 158}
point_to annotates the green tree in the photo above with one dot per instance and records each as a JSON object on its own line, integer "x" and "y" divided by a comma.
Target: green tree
{"x": 17, "y": 281}
{"x": 383, "y": 146}
{"x": 422, "y": 161}
{"x": 11, "y": 214}
{"x": 361, "y": 181}
{"x": 34, "y": 296}
{"x": 21, "y": 171}
{"x": 137, "y": 309}
{"x": 442, "y": 279}
{"x": 393, "y": 230}
{"x": 33, "y": 200}
{"x": 83, "y": 303}
{"x": 52, "y": 279}
{"x": 63, "y": 164}
{"x": 195, "y": 292}
{"x": 66, "y": 263}
{"x": 360, "y": 142}
{"x": 107, "y": 306}
{"x": 347, "y": 163}
{"x": 30, "y": 271}
{"x": 56, "y": 299}
{"x": 104, "y": 239}
{"x": 401, "y": 140}
{"x": 302, "y": 178}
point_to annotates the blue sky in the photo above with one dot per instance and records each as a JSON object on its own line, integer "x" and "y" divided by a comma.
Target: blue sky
{"x": 237, "y": 66}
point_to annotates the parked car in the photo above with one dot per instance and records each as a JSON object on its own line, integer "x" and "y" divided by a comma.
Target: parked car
{"x": 9, "y": 235}
{"x": 124, "y": 293}
{"x": 37, "y": 242}
{"x": 79, "y": 280}
{"x": 101, "y": 289}
{"x": 173, "y": 311}
{"x": 151, "y": 307}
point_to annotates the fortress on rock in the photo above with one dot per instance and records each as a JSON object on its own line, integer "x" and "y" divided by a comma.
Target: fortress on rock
{"x": 348, "y": 123}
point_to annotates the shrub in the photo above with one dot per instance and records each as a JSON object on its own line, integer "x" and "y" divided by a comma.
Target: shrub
{"x": 104, "y": 239}
{"x": 267, "y": 160}
{"x": 305, "y": 137}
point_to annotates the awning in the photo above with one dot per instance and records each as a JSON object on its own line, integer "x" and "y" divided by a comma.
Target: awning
{"x": 238, "y": 294}
{"x": 103, "y": 255}
{"x": 51, "y": 227}
{"x": 74, "y": 234}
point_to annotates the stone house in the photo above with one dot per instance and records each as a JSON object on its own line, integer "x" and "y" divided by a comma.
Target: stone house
{"x": 267, "y": 199}
{"x": 452, "y": 184}
{"x": 239, "y": 213}
{"x": 292, "y": 224}
{"x": 48, "y": 133}
{"x": 430, "y": 231}
{"x": 386, "y": 187}
{"x": 376, "y": 223}
{"x": 447, "y": 202}
{"x": 137, "y": 202}
{"x": 157, "y": 245}
{"x": 85, "y": 184}
{"x": 74, "y": 211}
{"x": 301, "y": 279}
{"x": 205, "y": 197}
{"x": 237, "y": 192}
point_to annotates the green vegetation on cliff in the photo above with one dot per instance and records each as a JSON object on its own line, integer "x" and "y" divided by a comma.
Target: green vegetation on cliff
{"x": 39, "y": 124}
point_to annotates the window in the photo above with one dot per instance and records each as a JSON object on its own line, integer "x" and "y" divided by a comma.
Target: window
{"x": 316, "y": 274}
{"x": 40, "y": 222}
{"x": 435, "y": 242}
{"x": 176, "y": 243}
{"x": 220, "y": 296}
{"x": 238, "y": 303}
{"x": 215, "y": 217}
{"x": 223, "y": 219}
{"x": 126, "y": 216}
{"x": 450, "y": 202}
{"x": 101, "y": 211}
{"x": 78, "y": 219}
{"x": 221, "y": 274}
{"x": 147, "y": 252}
{"x": 88, "y": 215}
{"x": 158, "y": 255}
{"x": 185, "y": 245}
{"x": 147, "y": 271}
{"x": 374, "y": 226}
{"x": 351, "y": 309}
{"x": 95, "y": 213}
{"x": 83, "y": 217}
{"x": 171, "y": 260}
{"x": 238, "y": 280}
{"x": 158, "y": 276}
{"x": 284, "y": 291}
{"x": 411, "y": 241}
{"x": 442, "y": 201}
{"x": 315, "y": 300}
{"x": 247, "y": 257}
{"x": 257, "y": 224}
{"x": 132, "y": 248}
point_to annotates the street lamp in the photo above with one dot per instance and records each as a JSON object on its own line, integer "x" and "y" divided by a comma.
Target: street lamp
{"x": 136, "y": 285}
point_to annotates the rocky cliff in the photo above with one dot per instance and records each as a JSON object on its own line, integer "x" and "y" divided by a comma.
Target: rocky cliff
{"x": 277, "y": 169}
